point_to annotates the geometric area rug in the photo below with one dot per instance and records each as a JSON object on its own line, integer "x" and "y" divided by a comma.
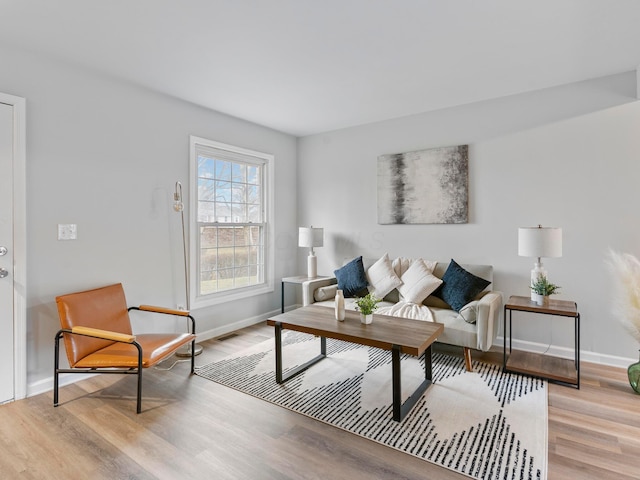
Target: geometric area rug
{"x": 484, "y": 424}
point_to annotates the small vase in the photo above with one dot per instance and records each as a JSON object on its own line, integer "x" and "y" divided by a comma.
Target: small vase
{"x": 540, "y": 300}
{"x": 339, "y": 301}
{"x": 634, "y": 376}
{"x": 366, "y": 319}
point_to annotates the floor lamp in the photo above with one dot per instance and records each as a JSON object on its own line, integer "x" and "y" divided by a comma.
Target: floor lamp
{"x": 178, "y": 206}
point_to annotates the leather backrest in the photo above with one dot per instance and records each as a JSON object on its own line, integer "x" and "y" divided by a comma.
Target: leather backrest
{"x": 104, "y": 308}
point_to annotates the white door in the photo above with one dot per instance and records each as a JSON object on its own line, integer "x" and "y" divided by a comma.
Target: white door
{"x": 7, "y": 334}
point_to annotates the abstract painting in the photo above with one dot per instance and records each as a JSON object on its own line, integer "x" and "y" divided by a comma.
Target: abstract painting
{"x": 426, "y": 186}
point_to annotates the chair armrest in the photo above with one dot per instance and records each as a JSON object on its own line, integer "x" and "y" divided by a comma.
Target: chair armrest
{"x": 488, "y": 319}
{"x": 311, "y": 286}
{"x": 104, "y": 334}
{"x": 169, "y": 311}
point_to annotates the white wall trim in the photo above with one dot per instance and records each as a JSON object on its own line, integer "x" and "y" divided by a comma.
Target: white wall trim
{"x": 225, "y": 329}
{"x": 46, "y": 384}
{"x": 565, "y": 352}
{"x": 19, "y": 244}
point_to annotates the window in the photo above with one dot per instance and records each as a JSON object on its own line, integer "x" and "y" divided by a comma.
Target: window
{"x": 230, "y": 232}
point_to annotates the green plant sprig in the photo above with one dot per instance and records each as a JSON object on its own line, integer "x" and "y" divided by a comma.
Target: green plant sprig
{"x": 543, "y": 287}
{"x": 367, "y": 304}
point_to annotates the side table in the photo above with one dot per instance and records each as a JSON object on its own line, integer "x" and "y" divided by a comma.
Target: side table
{"x": 554, "y": 369}
{"x": 298, "y": 280}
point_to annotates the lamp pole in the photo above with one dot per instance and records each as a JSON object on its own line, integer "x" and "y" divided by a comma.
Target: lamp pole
{"x": 178, "y": 206}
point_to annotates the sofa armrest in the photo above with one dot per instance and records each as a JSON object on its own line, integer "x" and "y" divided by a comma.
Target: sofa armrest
{"x": 488, "y": 319}
{"x": 310, "y": 286}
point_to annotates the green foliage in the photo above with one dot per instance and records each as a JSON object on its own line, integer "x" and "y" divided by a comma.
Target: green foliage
{"x": 367, "y": 304}
{"x": 543, "y": 287}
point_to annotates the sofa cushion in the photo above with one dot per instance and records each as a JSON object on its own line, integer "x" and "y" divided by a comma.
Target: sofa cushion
{"x": 382, "y": 278}
{"x": 459, "y": 286}
{"x": 418, "y": 282}
{"x": 456, "y": 330}
{"x": 352, "y": 279}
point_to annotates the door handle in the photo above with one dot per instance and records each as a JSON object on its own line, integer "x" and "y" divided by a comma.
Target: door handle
{"x": 3, "y": 250}
{"x": 3, "y": 272}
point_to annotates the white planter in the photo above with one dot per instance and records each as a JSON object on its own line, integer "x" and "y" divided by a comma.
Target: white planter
{"x": 539, "y": 299}
{"x": 366, "y": 319}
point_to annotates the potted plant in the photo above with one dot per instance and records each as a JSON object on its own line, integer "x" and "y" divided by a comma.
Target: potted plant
{"x": 366, "y": 306}
{"x": 542, "y": 288}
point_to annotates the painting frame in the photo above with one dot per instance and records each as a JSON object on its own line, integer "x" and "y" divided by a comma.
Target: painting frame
{"x": 424, "y": 187}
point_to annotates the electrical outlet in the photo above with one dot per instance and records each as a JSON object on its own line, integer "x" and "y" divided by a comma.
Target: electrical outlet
{"x": 67, "y": 231}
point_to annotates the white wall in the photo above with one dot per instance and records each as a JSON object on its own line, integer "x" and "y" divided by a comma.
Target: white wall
{"x": 105, "y": 155}
{"x": 539, "y": 158}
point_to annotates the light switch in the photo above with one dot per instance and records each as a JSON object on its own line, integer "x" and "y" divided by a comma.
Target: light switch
{"x": 67, "y": 231}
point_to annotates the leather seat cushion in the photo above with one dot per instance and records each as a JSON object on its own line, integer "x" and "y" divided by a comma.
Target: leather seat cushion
{"x": 155, "y": 347}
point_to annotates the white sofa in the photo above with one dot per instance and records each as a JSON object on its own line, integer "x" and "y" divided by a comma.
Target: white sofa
{"x": 474, "y": 327}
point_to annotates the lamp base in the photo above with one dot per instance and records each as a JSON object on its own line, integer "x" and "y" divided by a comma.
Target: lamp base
{"x": 312, "y": 266}
{"x": 537, "y": 272}
{"x": 186, "y": 350}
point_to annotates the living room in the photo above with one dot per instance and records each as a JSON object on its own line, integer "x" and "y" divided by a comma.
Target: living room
{"x": 104, "y": 153}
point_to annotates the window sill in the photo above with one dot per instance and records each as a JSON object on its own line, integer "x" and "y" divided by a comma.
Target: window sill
{"x": 231, "y": 296}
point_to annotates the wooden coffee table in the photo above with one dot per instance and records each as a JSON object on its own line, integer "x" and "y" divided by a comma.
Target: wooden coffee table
{"x": 400, "y": 335}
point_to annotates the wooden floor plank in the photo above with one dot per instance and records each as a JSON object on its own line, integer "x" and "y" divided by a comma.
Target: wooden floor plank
{"x": 193, "y": 428}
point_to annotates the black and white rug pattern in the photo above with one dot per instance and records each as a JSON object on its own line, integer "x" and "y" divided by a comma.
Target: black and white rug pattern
{"x": 485, "y": 424}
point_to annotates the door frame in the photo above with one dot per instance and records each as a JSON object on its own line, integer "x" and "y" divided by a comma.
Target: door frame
{"x": 19, "y": 245}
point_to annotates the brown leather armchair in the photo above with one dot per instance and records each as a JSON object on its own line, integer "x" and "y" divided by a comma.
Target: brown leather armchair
{"x": 98, "y": 338}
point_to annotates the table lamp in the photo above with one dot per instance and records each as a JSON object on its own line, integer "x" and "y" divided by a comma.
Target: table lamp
{"x": 539, "y": 242}
{"x": 311, "y": 237}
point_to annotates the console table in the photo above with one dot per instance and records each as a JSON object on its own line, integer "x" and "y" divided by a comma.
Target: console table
{"x": 558, "y": 370}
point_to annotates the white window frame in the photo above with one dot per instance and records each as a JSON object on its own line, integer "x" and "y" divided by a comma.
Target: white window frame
{"x": 199, "y": 301}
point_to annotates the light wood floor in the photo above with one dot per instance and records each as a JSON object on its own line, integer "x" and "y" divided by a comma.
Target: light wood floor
{"x": 193, "y": 428}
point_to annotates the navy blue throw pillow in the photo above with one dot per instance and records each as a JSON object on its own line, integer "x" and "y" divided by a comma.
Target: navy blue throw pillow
{"x": 459, "y": 287}
{"x": 351, "y": 278}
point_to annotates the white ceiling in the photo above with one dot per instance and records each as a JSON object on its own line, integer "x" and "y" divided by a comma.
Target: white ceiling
{"x": 310, "y": 66}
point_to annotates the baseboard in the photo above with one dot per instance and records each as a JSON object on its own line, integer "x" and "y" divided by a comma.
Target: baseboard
{"x": 565, "y": 352}
{"x": 46, "y": 384}
{"x": 232, "y": 327}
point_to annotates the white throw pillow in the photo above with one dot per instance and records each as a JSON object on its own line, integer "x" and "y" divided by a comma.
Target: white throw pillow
{"x": 382, "y": 279}
{"x": 402, "y": 264}
{"x": 418, "y": 282}
{"x": 325, "y": 293}
{"x": 470, "y": 312}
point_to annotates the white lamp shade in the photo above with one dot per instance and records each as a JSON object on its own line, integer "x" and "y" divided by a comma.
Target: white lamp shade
{"x": 310, "y": 237}
{"x": 540, "y": 242}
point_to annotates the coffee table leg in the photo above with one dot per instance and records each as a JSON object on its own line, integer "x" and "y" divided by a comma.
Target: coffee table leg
{"x": 400, "y": 409}
{"x": 280, "y": 377}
